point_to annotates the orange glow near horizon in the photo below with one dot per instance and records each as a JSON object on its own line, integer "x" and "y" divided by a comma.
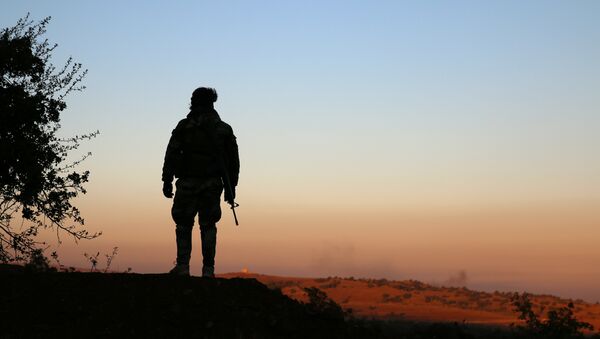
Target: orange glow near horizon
{"x": 524, "y": 247}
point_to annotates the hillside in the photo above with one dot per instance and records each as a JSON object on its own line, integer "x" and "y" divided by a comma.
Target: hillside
{"x": 414, "y": 300}
{"x": 239, "y": 305}
{"x": 152, "y": 305}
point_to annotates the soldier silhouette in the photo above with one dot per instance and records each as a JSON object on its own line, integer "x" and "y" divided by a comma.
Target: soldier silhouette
{"x": 203, "y": 155}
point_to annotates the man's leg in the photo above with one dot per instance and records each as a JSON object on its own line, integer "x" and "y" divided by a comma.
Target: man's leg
{"x": 208, "y": 233}
{"x": 183, "y": 236}
{"x": 208, "y": 216}
{"x": 183, "y": 212}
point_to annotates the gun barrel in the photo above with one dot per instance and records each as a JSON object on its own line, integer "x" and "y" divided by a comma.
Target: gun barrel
{"x": 234, "y": 215}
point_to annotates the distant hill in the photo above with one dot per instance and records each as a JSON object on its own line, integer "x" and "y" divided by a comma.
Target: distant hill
{"x": 414, "y": 300}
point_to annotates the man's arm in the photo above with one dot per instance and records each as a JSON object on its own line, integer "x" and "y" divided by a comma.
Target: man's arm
{"x": 232, "y": 172}
{"x": 233, "y": 160}
{"x": 172, "y": 156}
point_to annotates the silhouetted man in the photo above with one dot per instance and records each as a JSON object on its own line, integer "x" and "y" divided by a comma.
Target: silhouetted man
{"x": 202, "y": 154}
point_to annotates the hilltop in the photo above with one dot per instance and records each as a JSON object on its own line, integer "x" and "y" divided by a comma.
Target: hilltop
{"x": 109, "y": 305}
{"x": 417, "y": 301}
{"x": 242, "y": 305}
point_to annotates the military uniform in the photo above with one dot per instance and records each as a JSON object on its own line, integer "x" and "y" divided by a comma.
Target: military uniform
{"x": 202, "y": 154}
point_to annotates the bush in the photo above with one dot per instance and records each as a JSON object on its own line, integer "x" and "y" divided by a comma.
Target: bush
{"x": 559, "y": 323}
{"x": 320, "y": 303}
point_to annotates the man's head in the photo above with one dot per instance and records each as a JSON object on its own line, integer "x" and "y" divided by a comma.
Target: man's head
{"x": 203, "y": 97}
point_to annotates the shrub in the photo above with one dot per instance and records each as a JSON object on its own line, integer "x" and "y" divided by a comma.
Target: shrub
{"x": 559, "y": 323}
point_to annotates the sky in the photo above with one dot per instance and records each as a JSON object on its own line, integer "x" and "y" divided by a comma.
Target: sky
{"x": 383, "y": 139}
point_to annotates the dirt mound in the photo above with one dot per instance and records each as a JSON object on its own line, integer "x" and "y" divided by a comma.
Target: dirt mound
{"x": 152, "y": 305}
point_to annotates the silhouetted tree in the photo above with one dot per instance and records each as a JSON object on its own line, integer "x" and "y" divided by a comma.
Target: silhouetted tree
{"x": 319, "y": 302}
{"x": 37, "y": 184}
{"x": 560, "y": 323}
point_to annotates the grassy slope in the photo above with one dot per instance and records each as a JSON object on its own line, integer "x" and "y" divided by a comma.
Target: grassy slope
{"x": 414, "y": 300}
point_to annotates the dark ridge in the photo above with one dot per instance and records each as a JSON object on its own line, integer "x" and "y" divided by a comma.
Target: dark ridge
{"x": 125, "y": 305}
{"x": 110, "y": 305}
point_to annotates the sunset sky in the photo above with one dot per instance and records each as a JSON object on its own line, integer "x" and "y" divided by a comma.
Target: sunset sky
{"x": 405, "y": 140}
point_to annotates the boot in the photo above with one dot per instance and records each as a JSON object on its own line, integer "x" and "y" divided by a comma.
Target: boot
{"x": 208, "y": 271}
{"x": 181, "y": 270}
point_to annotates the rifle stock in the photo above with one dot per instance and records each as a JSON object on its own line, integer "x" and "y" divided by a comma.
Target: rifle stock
{"x": 233, "y": 206}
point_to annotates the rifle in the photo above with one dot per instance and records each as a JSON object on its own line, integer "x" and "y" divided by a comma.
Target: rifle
{"x": 227, "y": 183}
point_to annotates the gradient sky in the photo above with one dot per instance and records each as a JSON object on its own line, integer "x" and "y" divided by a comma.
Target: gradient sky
{"x": 377, "y": 139}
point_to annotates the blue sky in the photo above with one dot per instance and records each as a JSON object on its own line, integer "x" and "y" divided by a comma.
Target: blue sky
{"x": 373, "y": 116}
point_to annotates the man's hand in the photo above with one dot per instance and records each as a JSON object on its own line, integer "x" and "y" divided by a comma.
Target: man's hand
{"x": 168, "y": 189}
{"x": 230, "y": 196}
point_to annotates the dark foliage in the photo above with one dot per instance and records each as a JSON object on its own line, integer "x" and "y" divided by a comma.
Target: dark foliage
{"x": 37, "y": 184}
{"x": 38, "y": 262}
{"x": 320, "y": 303}
{"x": 559, "y": 324}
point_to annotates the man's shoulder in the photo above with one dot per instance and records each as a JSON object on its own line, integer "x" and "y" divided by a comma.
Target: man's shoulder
{"x": 185, "y": 122}
{"x": 224, "y": 127}
{"x": 223, "y": 124}
{"x": 219, "y": 125}
{"x": 182, "y": 124}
